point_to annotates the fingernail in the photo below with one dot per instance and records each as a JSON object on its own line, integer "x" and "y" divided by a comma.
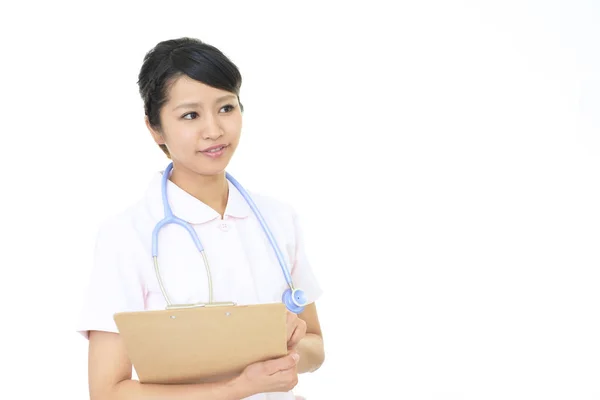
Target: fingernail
{"x": 296, "y": 357}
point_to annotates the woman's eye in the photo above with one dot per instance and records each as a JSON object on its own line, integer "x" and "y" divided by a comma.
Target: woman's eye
{"x": 190, "y": 115}
{"x": 227, "y": 108}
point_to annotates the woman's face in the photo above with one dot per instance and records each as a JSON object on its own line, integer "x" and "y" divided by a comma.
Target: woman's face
{"x": 201, "y": 126}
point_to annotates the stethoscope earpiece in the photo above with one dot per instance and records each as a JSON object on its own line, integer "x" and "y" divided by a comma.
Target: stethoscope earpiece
{"x": 295, "y": 300}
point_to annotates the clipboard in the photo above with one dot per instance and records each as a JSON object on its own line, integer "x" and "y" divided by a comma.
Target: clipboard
{"x": 201, "y": 344}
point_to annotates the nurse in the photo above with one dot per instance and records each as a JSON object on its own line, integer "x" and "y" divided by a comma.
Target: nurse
{"x": 190, "y": 92}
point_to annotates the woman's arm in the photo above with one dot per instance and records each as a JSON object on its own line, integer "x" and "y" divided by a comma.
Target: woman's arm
{"x": 110, "y": 377}
{"x": 310, "y": 348}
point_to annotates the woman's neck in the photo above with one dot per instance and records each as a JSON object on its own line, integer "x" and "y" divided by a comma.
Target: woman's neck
{"x": 212, "y": 190}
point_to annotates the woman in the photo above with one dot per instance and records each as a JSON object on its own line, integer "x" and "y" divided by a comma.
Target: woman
{"x": 193, "y": 112}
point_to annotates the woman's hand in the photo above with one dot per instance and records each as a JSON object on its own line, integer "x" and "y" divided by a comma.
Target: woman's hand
{"x": 277, "y": 375}
{"x": 296, "y": 330}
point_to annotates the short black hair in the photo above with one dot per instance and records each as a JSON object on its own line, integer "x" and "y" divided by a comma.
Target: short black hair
{"x": 173, "y": 58}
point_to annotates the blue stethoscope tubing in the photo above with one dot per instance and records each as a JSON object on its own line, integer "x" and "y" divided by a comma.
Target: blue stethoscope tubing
{"x": 294, "y": 299}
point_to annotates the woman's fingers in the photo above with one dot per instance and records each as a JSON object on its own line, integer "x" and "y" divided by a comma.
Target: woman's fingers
{"x": 296, "y": 329}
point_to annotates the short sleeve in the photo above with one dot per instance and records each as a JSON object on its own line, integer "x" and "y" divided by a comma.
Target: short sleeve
{"x": 115, "y": 284}
{"x": 302, "y": 271}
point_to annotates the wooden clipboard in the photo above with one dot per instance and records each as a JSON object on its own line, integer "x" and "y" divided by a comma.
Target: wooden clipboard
{"x": 201, "y": 344}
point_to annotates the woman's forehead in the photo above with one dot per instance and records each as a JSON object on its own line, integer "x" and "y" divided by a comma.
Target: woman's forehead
{"x": 186, "y": 89}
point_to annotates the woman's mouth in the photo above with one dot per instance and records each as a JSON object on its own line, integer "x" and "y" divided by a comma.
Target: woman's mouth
{"x": 215, "y": 151}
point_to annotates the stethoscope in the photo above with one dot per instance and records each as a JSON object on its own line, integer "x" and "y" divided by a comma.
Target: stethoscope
{"x": 294, "y": 299}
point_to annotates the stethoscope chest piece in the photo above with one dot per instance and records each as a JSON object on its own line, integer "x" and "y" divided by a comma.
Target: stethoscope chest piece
{"x": 294, "y": 300}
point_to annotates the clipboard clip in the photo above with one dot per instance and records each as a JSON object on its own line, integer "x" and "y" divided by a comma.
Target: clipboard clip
{"x": 196, "y": 305}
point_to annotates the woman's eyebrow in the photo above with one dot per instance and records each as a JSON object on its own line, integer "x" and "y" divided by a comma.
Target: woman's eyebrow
{"x": 186, "y": 105}
{"x": 226, "y": 97}
{"x": 195, "y": 104}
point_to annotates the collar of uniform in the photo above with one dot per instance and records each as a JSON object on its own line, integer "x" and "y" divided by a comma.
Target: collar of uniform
{"x": 189, "y": 208}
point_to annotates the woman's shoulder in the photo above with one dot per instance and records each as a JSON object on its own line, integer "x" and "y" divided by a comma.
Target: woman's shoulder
{"x": 123, "y": 226}
{"x": 279, "y": 214}
{"x": 273, "y": 205}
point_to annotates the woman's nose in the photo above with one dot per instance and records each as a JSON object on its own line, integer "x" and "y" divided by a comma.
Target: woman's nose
{"x": 212, "y": 128}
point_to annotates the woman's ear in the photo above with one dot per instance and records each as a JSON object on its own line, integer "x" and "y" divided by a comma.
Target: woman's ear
{"x": 156, "y": 134}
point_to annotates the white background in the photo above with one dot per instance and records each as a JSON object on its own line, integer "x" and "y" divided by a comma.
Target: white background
{"x": 444, "y": 157}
